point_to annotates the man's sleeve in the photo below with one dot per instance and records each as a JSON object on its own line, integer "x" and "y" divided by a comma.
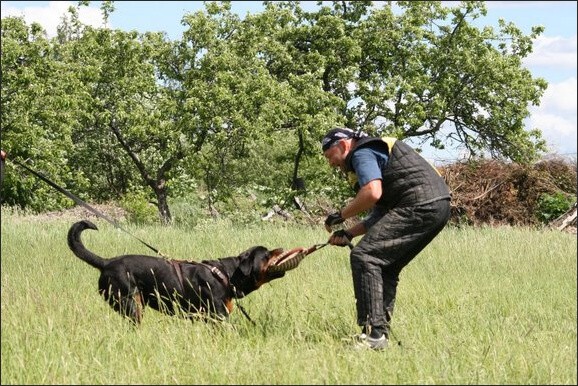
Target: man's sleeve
{"x": 366, "y": 166}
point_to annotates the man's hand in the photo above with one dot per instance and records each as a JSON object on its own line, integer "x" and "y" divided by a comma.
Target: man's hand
{"x": 341, "y": 238}
{"x": 333, "y": 219}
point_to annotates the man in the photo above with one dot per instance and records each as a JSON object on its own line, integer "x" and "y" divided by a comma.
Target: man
{"x": 407, "y": 204}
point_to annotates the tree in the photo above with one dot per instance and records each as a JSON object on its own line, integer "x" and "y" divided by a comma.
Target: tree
{"x": 37, "y": 112}
{"x": 429, "y": 73}
{"x": 149, "y": 114}
{"x": 189, "y": 106}
{"x": 410, "y": 69}
{"x": 233, "y": 101}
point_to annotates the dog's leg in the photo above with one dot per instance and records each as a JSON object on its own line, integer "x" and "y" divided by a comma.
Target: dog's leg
{"x": 132, "y": 307}
{"x": 127, "y": 302}
{"x": 229, "y": 305}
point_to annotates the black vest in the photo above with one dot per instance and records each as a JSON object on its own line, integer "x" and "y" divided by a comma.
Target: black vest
{"x": 408, "y": 179}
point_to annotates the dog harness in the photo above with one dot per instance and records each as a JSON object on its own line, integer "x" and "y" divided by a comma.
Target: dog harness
{"x": 177, "y": 266}
{"x": 214, "y": 270}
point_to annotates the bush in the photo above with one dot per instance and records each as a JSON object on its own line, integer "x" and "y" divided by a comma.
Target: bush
{"x": 139, "y": 209}
{"x": 552, "y": 206}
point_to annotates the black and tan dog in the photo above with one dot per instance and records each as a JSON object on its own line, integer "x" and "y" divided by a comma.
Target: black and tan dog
{"x": 131, "y": 282}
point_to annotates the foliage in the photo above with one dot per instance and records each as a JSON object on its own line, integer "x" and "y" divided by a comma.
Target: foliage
{"x": 552, "y": 206}
{"x": 37, "y": 116}
{"x": 237, "y": 103}
{"x": 139, "y": 210}
{"x": 189, "y": 212}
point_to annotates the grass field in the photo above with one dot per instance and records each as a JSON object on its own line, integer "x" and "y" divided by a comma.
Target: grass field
{"x": 478, "y": 306}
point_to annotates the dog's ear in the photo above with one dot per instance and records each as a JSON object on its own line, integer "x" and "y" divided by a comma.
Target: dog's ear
{"x": 251, "y": 259}
{"x": 276, "y": 251}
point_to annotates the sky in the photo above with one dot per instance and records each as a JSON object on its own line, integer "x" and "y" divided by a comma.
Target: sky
{"x": 553, "y": 58}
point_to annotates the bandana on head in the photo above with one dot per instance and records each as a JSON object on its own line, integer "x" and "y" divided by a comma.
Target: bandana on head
{"x": 335, "y": 135}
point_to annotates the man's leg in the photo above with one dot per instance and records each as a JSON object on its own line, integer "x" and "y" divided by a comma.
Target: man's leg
{"x": 383, "y": 252}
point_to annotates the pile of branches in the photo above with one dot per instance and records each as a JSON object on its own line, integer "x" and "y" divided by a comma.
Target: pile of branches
{"x": 497, "y": 193}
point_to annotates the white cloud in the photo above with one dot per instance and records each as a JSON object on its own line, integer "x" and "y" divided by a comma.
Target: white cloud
{"x": 51, "y": 15}
{"x": 553, "y": 52}
{"x": 556, "y": 117}
{"x": 561, "y": 97}
{"x": 558, "y": 131}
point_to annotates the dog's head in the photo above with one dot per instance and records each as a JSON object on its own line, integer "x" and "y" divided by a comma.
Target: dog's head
{"x": 253, "y": 272}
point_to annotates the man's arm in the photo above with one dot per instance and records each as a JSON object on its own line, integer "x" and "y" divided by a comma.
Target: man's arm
{"x": 365, "y": 199}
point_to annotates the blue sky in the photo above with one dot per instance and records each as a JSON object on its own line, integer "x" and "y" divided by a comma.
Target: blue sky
{"x": 554, "y": 56}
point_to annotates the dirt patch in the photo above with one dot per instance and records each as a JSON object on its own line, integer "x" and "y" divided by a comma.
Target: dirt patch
{"x": 81, "y": 213}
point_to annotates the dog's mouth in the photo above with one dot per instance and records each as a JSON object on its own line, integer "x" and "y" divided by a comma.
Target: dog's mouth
{"x": 287, "y": 260}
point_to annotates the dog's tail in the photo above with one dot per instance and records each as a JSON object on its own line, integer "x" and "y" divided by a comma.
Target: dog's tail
{"x": 75, "y": 244}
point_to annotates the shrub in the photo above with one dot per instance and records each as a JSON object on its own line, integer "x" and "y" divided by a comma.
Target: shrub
{"x": 552, "y": 206}
{"x": 139, "y": 209}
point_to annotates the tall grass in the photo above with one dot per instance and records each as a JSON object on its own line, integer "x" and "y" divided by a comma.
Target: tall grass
{"x": 478, "y": 306}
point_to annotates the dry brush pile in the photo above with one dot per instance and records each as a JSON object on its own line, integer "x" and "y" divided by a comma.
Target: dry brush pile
{"x": 497, "y": 193}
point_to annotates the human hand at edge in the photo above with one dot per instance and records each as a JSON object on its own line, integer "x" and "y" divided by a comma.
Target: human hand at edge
{"x": 341, "y": 238}
{"x": 333, "y": 219}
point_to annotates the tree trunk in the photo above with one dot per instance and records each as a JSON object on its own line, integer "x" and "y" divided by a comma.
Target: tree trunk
{"x": 296, "y": 182}
{"x": 163, "y": 206}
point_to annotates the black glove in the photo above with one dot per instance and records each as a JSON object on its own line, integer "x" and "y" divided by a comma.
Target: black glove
{"x": 333, "y": 219}
{"x": 343, "y": 233}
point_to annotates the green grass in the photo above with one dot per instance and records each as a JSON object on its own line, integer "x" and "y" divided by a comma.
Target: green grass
{"x": 478, "y": 306}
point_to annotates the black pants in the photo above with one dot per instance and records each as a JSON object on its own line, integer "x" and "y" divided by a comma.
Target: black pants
{"x": 387, "y": 247}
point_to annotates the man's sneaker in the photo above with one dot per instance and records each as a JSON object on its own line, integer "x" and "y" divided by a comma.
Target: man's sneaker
{"x": 367, "y": 342}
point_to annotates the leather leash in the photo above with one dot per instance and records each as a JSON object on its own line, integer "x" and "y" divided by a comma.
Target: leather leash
{"x": 316, "y": 247}
{"x": 84, "y": 204}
